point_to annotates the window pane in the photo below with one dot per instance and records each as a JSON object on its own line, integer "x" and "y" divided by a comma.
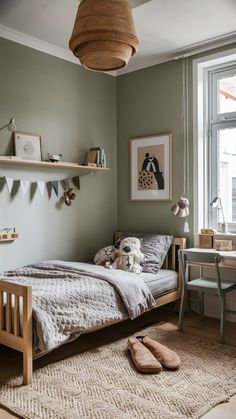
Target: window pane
{"x": 234, "y": 199}
{"x": 227, "y": 174}
{"x": 227, "y": 95}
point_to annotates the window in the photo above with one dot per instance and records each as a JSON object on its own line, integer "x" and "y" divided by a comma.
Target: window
{"x": 221, "y": 145}
{"x": 214, "y": 140}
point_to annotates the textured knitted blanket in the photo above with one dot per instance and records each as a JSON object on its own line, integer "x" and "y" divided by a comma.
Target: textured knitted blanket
{"x": 70, "y": 298}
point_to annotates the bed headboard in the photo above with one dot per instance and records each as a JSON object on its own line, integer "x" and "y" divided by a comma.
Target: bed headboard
{"x": 171, "y": 260}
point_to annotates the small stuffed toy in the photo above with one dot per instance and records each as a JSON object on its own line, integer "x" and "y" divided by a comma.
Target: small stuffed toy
{"x": 69, "y": 196}
{"x": 105, "y": 255}
{"x": 129, "y": 257}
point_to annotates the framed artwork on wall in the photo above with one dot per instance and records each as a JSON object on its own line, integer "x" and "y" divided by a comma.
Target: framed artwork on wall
{"x": 151, "y": 168}
{"x": 27, "y": 146}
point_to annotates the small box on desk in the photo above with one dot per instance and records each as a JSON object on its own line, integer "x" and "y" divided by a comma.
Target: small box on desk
{"x": 206, "y": 241}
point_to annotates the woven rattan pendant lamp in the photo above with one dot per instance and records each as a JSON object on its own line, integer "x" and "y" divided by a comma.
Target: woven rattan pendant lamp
{"x": 104, "y": 36}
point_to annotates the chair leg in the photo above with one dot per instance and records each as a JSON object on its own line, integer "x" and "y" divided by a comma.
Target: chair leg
{"x": 181, "y": 311}
{"x": 222, "y": 319}
{"x": 201, "y": 299}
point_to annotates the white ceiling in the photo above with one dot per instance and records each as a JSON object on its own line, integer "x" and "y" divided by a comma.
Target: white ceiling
{"x": 165, "y": 27}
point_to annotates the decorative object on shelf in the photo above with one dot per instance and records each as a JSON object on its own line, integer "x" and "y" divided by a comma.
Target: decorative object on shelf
{"x": 208, "y": 231}
{"x": 104, "y": 36}
{"x": 28, "y": 146}
{"x": 216, "y": 203}
{"x": 181, "y": 209}
{"x": 11, "y": 125}
{"x": 54, "y": 157}
{"x": 8, "y": 234}
{"x": 151, "y": 168}
{"x": 96, "y": 157}
{"x": 69, "y": 196}
{"x": 226, "y": 245}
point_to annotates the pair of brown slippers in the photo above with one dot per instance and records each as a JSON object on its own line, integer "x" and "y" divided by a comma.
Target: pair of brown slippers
{"x": 149, "y": 356}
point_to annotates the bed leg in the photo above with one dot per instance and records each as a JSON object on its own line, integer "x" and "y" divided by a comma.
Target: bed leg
{"x": 27, "y": 367}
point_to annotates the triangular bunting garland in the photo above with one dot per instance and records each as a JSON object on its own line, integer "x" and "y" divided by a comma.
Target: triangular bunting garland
{"x": 66, "y": 183}
{"x": 54, "y": 184}
{"x": 41, "y": 186}
{"x": 76, "y": 181}
{"x": 24, "y": 186}
{"x": 9, "y": 182}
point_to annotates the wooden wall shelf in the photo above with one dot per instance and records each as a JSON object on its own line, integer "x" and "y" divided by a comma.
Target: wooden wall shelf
{"x": 79, "y": 168}
{"x": 8, "y": 237}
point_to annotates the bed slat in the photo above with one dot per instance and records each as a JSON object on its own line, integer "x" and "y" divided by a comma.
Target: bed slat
{"x": 16, "y": 316}
{"x": 8, "y": 312}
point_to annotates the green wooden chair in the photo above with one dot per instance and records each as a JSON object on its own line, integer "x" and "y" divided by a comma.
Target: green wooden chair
{"x": 204, "y": 284}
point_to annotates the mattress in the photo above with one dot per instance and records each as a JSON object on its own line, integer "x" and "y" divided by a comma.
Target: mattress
{"x": 162, "y": 282}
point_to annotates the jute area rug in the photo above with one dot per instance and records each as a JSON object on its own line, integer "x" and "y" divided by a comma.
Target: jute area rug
{"x": 103, "y": 383}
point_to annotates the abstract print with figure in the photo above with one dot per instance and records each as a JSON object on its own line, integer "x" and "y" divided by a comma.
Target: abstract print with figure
{"x": 150, "y": 168}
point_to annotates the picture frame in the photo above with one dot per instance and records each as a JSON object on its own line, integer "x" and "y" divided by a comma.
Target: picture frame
{"x": 28, "y": 146}
{"x": 151, "y": 168}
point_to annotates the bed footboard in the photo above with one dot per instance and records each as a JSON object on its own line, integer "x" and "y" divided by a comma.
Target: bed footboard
{"x": 16, "y": 322}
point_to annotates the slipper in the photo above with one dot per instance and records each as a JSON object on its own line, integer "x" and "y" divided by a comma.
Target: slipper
{"x": 142, "y": 358}
{"x": 168, "y": 358}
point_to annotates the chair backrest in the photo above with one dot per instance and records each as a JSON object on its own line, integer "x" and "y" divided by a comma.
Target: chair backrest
{"x": 201, "y": 257}
{"x": 211, "y": 258}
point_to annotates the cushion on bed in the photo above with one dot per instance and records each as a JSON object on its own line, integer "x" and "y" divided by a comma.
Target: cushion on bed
{"x": 154, "y": 247}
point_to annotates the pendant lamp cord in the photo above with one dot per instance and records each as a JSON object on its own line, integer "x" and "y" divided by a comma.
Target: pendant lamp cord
{"x": 185, "y": 130}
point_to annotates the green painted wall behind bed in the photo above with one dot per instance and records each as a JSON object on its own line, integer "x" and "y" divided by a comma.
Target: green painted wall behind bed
{"x": 72, "y": 109}
{"x": 148, "y": 103}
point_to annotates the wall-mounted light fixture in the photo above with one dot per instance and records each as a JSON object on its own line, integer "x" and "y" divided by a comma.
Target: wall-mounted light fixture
{"x": 11, "y": 125}
{"x": 216, "y": 203}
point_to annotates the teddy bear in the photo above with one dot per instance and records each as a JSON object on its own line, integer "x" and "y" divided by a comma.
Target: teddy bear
{"x": 129, "y": 256}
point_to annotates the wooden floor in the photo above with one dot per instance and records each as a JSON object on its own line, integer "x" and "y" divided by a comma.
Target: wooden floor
{"x": 10, "y": 361}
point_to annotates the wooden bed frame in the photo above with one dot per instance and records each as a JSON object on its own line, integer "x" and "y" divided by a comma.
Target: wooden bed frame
{"x": 12, "y": 295}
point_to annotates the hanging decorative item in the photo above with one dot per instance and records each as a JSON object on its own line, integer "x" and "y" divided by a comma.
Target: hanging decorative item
{"x": 24, "y": 186}
{"x": 76, "y": 181}
{"x": 41, "y": 186}
{"x": 69, "y": 196}
{"x": 9, "y": 182}
{"x": 54, "y": 184}
{"x": 104, "y": 36}
{"x": 181, "y": 209}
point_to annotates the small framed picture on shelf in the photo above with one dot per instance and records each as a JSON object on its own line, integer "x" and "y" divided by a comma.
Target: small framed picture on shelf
{"x": 151, "y": 168}
{"x": 28, "y": 146}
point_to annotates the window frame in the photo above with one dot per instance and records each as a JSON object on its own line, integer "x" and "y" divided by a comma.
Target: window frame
{"x": 215, "y": 76}
{"x": 201, "y": 131}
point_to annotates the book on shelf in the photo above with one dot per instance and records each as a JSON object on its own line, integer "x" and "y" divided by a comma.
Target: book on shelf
{"x": 96, "y": 155}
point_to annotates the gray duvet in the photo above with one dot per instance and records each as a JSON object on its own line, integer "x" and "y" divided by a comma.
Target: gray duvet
{"x": 70, "y": 298}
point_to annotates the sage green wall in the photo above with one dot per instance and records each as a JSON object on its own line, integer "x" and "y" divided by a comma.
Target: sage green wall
{"x": 72, "y": 109}
{"x": 149, "y": 102}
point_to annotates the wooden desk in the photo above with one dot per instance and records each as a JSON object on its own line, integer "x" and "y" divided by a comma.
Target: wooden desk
{"x": 228, "y": 257}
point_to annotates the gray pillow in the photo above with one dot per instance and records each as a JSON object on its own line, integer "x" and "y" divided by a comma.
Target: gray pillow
{"x": 154, "y": 247}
